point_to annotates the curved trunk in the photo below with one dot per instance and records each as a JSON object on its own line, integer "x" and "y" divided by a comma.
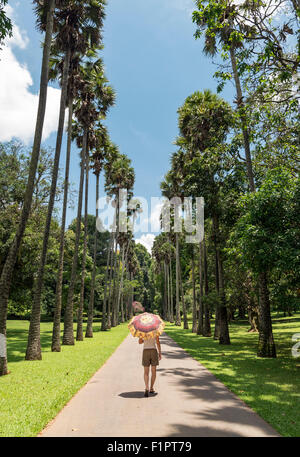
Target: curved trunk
{"x": 68, "y": 336}
{"x": 79, "y": 332}
{"x": 33, "y": 351}
{"x": 178, "y": 317}
{"x": 8, "y": 268}
{"x": 58, "y": 296}
{"x": 245, "y": 130}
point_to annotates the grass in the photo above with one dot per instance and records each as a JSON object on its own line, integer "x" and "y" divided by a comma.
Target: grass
{"x": 36, "y": 391}
{"x": 271, "y": 387}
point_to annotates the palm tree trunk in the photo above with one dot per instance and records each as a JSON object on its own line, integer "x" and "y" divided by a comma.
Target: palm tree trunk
{"x": 110, "y": 283}
{"x": 165, "y": 308}
{"x": 79, "y": 333}
{"x": 113, "y": 291}
{"x": 104, "y": 316}
{"x": 121, "y": 285}
{"x": 185, "y": 320}
{"x": 206, "y": 328}
{"x": 8, "y": 268}
{"x": 200, "y": 322}
{"x": 178, "y": 317}
{"x": 33, "y": 351}
{"x": 223, "y": 319}
{"x": 117, "y": 290}
{"x": 217, "y": 317}
{"x": 194, "y": 324}
{"x": 169, "y": 291}
{"x": 171, "y": 294}
{"x": 89, "y": 327}
{"x": 57, "y": 310}
{"x": 68, "y": 336}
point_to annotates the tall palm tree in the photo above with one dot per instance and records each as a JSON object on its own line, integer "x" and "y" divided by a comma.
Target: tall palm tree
{"x": 94, "y": 99}
{"x": 204, "y": 122}
{"x": 120, "y": 175}
{"x": 70, "y": 23}
{"x": 98, "y": 162}
{"x": 8, "y": 268}
{"x": 56, "y": 347}
{"x": 79, "y": 332}
{"x": 206, "y": 326}
{"x": 200, "y": 310}
{"x": 194, "y": 324}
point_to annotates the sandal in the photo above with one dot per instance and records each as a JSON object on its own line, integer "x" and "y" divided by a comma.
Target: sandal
{"x": 146, "y": 394}
{"x": 152, "y": 391}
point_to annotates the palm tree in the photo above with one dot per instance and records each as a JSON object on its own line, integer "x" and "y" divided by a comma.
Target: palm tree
{"x": 95, "y": 97}
{"x": 206, "y": 326}
{"x": 120, "y": 175}
{"x": 79, "y": 333}
{"x": 70, "y": 23}
{"x": 204, "y": 122}
{"x": 8, "y": 268}
{"x": 98, "y": 161}
{"x": 200, "y": 310}
{"x": 194, "y": 325}
{"x": 56, "y": 347}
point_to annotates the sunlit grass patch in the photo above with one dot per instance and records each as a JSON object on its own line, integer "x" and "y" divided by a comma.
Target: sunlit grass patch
{"x": 36, "y": 391}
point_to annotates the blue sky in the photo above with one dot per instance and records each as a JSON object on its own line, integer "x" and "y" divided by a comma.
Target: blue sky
{"x": 153, "y": 62}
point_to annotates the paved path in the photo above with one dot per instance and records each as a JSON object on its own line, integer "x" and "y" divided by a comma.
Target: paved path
{"x": 190, "y": 401}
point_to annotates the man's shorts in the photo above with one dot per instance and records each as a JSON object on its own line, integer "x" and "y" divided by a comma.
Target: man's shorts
{"x": 150, "y": 357}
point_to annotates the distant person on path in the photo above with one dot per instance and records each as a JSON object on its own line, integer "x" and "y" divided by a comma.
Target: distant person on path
{"x": 151, "y": 356}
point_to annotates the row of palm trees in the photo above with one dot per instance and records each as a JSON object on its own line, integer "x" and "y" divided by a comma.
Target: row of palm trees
{"x": 73, "y": 39}
{"x": 200, "y": 167}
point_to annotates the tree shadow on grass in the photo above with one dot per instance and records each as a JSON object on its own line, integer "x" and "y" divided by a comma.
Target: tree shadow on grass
{"x": 17, "y": 343}
{"x": 264, "y": 381}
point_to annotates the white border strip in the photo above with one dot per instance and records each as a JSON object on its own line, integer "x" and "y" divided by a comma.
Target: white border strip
{"x": 2, "y": 345}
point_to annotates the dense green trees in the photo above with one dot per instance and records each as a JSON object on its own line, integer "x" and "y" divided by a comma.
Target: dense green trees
{"x": 73, "y": 40}
{"x": 244, "y": 161}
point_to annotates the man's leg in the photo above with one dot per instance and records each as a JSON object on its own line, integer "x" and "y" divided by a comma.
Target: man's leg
{"x": 153, "y": 375}
{"x": 146, "y": 377}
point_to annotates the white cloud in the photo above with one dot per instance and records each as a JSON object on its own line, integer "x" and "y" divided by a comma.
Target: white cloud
{"x": 184, "y": 5}
{"x": 18, "y": 106}
{"x": 147, "y": 241}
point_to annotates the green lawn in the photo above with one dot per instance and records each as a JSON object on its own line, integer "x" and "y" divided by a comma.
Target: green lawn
{"x": 35, "y": 392}
{"x": 271, "y": 387}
